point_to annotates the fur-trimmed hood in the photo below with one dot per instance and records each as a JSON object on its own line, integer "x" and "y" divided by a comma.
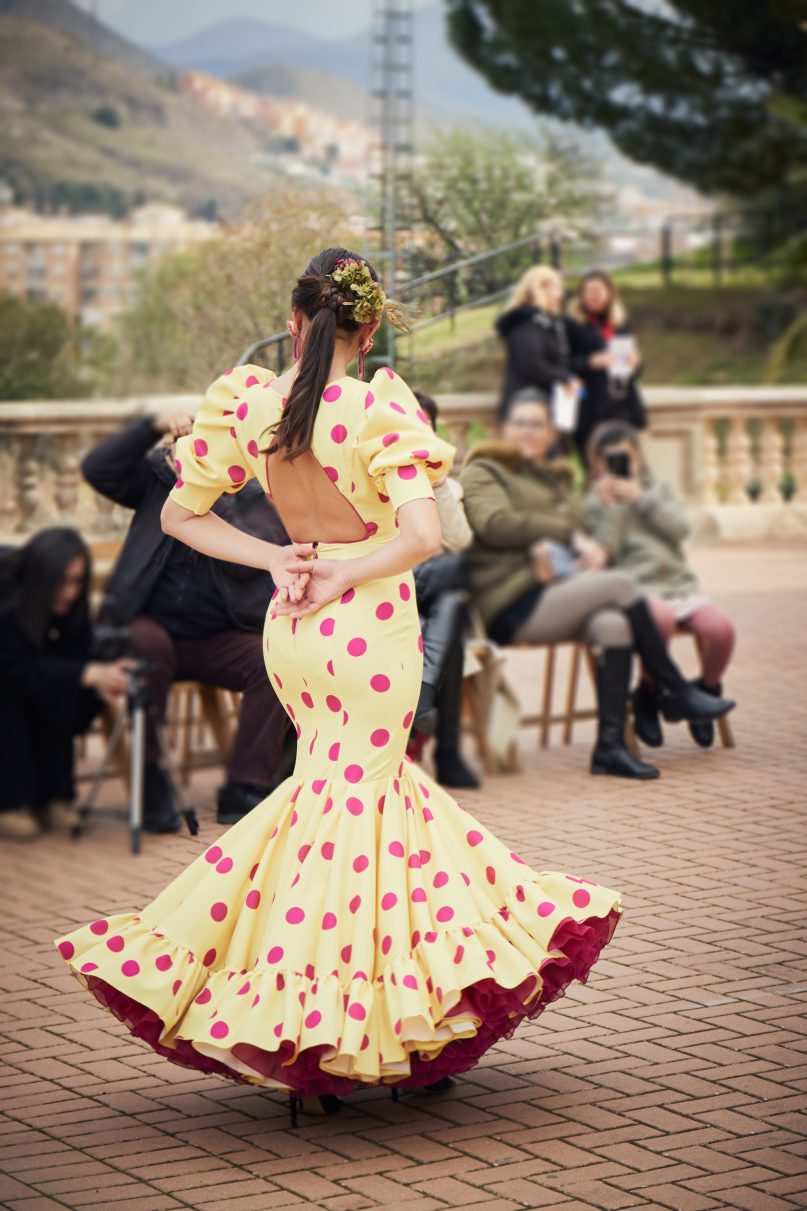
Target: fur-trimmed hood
{"x": 525, "y": 314}
{"x": 618, "y": 315}
{"x": 509, "y": 457}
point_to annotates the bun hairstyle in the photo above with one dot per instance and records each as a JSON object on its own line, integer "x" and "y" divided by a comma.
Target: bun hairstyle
{"x": 329, "y": 306}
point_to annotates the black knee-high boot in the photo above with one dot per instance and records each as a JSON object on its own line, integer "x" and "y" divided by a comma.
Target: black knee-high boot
{"x": 678, "y": 698}
{"x": 610, "y": 755}
{"x": 450, "y": 767}
{"x": 442, "y": 630}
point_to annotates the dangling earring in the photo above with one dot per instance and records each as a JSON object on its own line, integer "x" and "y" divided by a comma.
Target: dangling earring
{"x": 297, "y": 343}
{"x": 363, "y": 350}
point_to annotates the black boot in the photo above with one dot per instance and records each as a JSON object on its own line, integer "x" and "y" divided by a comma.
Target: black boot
{"x": 610, "y": 755}
{"x": 449, "y": 764}
{"x": 703, "y": 733}
{"x": 236, "y": 799}
{"x": 159, "y": 805}
{"x": 443, "y": 621}
{"x": 646, "y": 722}
{"x": 678, "y": 698}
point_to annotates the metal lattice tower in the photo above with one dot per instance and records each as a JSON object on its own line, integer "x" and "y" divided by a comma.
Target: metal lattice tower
{"x": 392, "y": 119}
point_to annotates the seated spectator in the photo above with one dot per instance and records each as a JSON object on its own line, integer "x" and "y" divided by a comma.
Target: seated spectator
{"x": 642, "y": 525}
{"x": 441, "y": 587}
{"x": 610, "y": 382}
{"x": 538, "y": 578}
{"x": 536, "y": 336}
{"x": 219, "y": 641}
{"x": 50, "y": 689}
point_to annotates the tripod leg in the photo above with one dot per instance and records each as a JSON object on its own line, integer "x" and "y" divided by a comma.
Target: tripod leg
{"x": 87, "y": 806}
{"x": 138, "y": 757}
{"x": 187, "y": 813}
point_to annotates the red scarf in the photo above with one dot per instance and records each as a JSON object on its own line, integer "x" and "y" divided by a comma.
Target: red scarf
{"x": 602, "y": 322}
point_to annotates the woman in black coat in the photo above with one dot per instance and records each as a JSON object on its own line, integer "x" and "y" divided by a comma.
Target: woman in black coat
{"x": 50, "y": 690}
{"x": 596, "y": 316}
{"x": 536, "y": 336}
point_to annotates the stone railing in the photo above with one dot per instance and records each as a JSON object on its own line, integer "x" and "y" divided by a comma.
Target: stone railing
{"x": 736, "y": 455}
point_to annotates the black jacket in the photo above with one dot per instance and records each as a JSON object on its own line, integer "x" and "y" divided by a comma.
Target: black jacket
{"x": 537, "y": 351}
{"x": 602, "y": 399}
{"x": 122, "y": 469}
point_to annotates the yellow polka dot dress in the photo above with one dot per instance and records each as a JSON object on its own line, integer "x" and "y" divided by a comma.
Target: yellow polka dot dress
{"x": 358, "y": 925}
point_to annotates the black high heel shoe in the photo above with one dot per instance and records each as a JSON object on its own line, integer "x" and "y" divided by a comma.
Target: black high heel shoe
{"x": 327, "y": 1104}
{"x": 445, "y": 1083}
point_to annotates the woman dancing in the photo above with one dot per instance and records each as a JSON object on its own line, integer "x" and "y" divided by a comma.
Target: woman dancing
{"x": 357, "y": 927}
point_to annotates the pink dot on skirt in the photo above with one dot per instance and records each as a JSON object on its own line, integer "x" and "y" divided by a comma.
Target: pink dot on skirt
{"x": 99, "y": 927}
{"x": 361, "y": 863}
{"x": 581, "y": 897}
{"x": 67, "y": 950}
{"x": 380, "y": 682}
{"x": 386, "y": 944}
{"x": 355, "y": 904}
{"x": 357, "y": 1012}
{"x": 224, "y": 866}
{"x": 384, "y": 611}
{"x": 218, "y": 911}
{"x": 210, "y": 957}
{"x": 213, "y": 854}
{"x": 445, "y": 913}
{"x": 314, "y": 1018}
{"x": 347, "y": 596}
{"x": 331, "y": 393}
{"x": 203, "y": 997}
{"x": 408, "y": 717}
{"x": 219, "y": 1030}
{"x": 458, "y": 953}
{"x": 357, "y": 647}
{"x": 354, "y": 773}
{"x": 295, "y": 915}
{"x": 418, "y": 896}
{"x": 275, "y": 954}
{"x": 89, "y": 966}
{"x": 253, "y": 899}
{"x": 546, "y": 908}
{"x": 163, "y": 962}
{"x": 354, "y": 805}
{"x": 396, "y": 849}
{"x": 379, "y": 737}
{"x": 326, "y": 626}
{"x": 329, "y": 920}
{"x": 130, "y": 967}
{"x": 474, "y": 837}
{"x": 333, "y": 703}
{"x": 327, "y": 850}
{"x": 115, "y": 943}
{"x": 389, "y": 900}
{"x": 410, "y": 982}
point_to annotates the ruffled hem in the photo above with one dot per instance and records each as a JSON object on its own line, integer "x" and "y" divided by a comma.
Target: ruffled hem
{"x": 401, "y": 1029}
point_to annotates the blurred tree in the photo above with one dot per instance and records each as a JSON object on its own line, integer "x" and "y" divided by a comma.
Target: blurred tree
{"x": 699, "y": 88}
{"x": 199, "y": 309}
{"x": 475, "y": 190}
{"x": 36, "y": 350}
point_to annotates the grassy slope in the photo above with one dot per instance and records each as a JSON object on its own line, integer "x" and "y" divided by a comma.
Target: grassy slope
{"x": 49, "y": 86}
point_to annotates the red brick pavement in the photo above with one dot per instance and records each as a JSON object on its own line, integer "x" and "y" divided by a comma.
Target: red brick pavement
{"x": 675, "y": 1079}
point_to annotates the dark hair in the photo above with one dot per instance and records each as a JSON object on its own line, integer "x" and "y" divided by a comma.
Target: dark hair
{"x": 327, "y": 306}
{"x": 527, "y": 395}
{"x": 30, "y": 577}
{"x": 611, "y": 433}
{"x": 428, "y": 405}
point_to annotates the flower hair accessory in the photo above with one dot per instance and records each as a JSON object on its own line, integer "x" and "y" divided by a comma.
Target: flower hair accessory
{"x": 371, "y": 301}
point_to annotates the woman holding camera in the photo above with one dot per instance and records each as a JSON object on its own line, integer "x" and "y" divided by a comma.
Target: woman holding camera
{"x": 641, "y": 524}
{"x": 50, "y": 690}
{"x": 538, "y": 578}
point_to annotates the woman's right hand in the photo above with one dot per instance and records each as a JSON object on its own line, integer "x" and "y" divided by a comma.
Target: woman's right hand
{"x": 109, "y": 680}
{"x": 602, "y": 360}
{"x": 328, "y": 580}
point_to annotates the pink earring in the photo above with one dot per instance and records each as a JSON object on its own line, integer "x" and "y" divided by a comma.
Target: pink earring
{"x": 363, "y": 351}
{"x": 297, "y": 343}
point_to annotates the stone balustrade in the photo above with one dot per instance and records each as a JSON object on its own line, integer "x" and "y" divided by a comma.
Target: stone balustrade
{"x": 736, "y": 455}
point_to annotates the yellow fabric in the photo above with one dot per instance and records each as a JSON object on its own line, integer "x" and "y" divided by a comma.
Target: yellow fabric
{"x": 351, "y": 910}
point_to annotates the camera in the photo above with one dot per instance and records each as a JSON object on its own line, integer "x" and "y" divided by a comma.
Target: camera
{"x": 618, "y": 464}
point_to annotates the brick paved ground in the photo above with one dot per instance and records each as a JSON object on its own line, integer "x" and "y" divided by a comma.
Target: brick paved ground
{"x": 674, "y": 1080}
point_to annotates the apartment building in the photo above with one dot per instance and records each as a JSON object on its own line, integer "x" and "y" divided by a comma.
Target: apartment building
{"x": 88, "y": 264}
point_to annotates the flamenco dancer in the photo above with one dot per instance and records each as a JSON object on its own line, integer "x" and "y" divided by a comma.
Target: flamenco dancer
{"x": 357, "y": 927}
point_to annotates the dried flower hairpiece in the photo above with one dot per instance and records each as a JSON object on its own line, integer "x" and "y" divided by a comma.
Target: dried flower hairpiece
{"x": 371, "y": 301}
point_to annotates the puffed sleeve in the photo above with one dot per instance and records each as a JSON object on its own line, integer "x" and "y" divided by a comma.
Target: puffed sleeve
{"x": 400, "y": 449}
{"x": 210, "y": 459}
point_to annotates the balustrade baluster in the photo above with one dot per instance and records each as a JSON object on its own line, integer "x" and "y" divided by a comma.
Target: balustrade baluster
{"x": 770, "y": 462}
{"x": 738, "y": 462}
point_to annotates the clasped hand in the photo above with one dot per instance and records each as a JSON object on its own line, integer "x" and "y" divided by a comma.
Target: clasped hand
{"x": 305, "y": 585}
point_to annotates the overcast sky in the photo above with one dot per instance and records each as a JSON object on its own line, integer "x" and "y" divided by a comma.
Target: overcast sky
{"x": 154, "y": 22}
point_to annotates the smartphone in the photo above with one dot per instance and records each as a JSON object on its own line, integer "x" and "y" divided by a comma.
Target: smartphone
{"x": 618, "y": 464}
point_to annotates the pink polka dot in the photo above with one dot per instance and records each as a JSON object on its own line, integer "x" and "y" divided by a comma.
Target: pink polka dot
{"x": 396, "y": 849}
{"x": 407, "y": 472}
{"x": 516, "y": 858}
{"x": 410, "y": 982}
{"x": 200, "y": 447}
{"x": 99, "y": 927}
{"x": 163, "y": 962}
{"x": 213, "y": 854}
{"x": 252, "y": 447}
{"x": 370, "y": 528}
{"x": 384, "y": 611}
{"x": 420, "y": 643}
{"x": 389, "y": 900}
{"x": 581, "y": 897}
{"x": 275, "y": 954}
{"x": 408, "y": 717}
{"x": 405, "y": 592}
{"x": 89, "y": 966}
{"x": 386, "y": 946}
{"x": 203, "y": 997}
{"x": 224, "y": 866}
{"x": 115, "y": 943}
{"x": 346, "y": 952}
{"x": 420, "y": 453}
{"x": 338, "y": 434}
{"x": 244, "y": 989}
{"x": 253, "y": 898}
{"x": 295, "y": 915}
{"x": 354, "y": 773}
{"x": 210, "y": 957}
{"x": 379, "y": 737}
{"x": 445, "y": 913}
{"x": 218, "y": 911}
{"x": 458, "y": 953}
{"x": 490, "y": 874}
{"x": 307, "y": 700}
{"x": 242, "y": 410}
{"x": 329, "y": 920}
{"x": 66, "y": 950}
{"x": 380, "y": 682}
{"x": 355, "y": 904}
{"x": 313, "y": 1019}
{"x": 318, "y": 785}
{"x": 389, "y": 438}
{"x": 252, "y": 381}
{"x": 219, "y": 1030}
{"x": 347, "y": 596}
{"x": 440, "y": 879}
{"x": 302, "y": 853}
{"x": 357, "y": 647}
{"x": 474, "y": 837}
{"x": 333, "y": 751}
{"x": 332, "y": 473}
{"x": 237, "y": 474}
{"x": 327, "y": 850}
{"x": 130, "y": 967}
{"x": 369, "y": 399}
{"x": 326, "y": 626}
{"x": 545, "y": 908}
{"x": 357, "y": 1012}
{"x": 331, "y": 393}
{"x": 354, "y": 806}
{"x": 333, "y": 703}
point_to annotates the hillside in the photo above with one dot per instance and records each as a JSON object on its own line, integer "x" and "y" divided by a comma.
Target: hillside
{"x": 145, "y": 138}
{"x": 68, "y": 18}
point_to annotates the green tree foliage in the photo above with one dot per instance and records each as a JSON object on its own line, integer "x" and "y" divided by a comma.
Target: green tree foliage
{"x": 702, "y": 89}
{"x": 475, "y": 190}
{"x": 199, "y": 309}
{"x": 36, "y": 350}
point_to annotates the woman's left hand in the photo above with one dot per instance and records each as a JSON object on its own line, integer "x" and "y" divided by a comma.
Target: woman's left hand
{"x": 327, "y": 580}
{"x": 290, "y": 569}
